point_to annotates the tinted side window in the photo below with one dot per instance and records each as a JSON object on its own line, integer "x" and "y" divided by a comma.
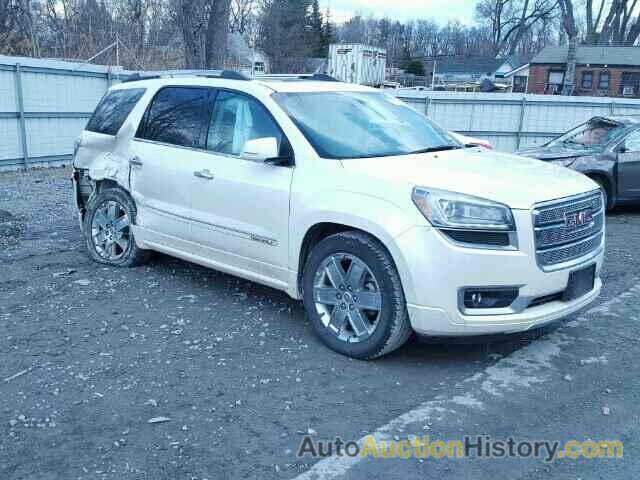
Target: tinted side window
{"x": 236, "y": 119}
{"x": 113, "y": 110}
{"x": 177, "y": 116}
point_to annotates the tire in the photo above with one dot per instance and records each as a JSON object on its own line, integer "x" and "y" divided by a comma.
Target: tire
{"x": 339, "y": 317}
{"x": 107, "y": 230}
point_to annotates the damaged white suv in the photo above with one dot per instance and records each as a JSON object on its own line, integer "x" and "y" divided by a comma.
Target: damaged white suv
{"x": 342, "y": 196}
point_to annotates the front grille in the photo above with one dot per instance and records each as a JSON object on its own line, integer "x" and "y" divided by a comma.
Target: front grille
{"x": 555, "y": 212}
{"x": 557, "y": 234}
{"x": 558, "y": 243}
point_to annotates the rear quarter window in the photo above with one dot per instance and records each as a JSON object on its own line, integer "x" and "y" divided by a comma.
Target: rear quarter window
{"x": 113, "y": 110}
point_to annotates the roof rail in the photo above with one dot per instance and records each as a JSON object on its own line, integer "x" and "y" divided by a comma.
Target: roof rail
{"x": 226, "y": 74}
{"x": 320, "y": 77}
{"x": 134, "y": 77}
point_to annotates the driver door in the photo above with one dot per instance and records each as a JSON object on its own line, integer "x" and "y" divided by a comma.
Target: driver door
{"x": 629, "y": 168}
{"x": 241, "y": 210}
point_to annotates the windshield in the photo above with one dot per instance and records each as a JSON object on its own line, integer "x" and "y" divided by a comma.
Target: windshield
{"x": 344, "y": 125}
{"x": 594, "y": 134}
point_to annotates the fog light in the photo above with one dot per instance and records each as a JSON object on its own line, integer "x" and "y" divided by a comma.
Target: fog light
{"x": 489, "y": 298}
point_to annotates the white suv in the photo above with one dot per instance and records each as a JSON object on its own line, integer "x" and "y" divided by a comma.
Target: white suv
{"x": 342, "y": 196}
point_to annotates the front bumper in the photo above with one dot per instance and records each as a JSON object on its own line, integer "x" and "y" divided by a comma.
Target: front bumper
{"x": 437, "y": 270}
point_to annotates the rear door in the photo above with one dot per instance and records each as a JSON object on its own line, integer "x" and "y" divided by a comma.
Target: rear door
{"x": 629, "y": 168}
{"x": 164, "y": 157}
{"x": 241, "y": 208}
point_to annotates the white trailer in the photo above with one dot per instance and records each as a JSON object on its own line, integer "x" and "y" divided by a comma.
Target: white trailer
{"x": 357, "y": 63}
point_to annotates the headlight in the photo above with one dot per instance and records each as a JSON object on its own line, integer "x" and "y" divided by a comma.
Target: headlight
{"x": 457, "y": 211}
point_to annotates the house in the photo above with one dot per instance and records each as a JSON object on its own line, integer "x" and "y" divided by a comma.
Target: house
{"x": 466, "y": 69}
{"x": 518, "y": 79}
{"x": 600, "y": 71}
{"x": 244, "y": 59}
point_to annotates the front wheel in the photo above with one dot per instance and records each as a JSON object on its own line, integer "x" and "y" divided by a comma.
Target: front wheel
{"x": 107, "y": 229}
{"x": 353, "y": 296}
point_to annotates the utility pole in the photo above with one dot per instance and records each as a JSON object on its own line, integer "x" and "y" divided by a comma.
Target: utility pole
{"x": 254, "y": 38}
{"x": 117, "y": 50}
{"x": 433, "y": 75}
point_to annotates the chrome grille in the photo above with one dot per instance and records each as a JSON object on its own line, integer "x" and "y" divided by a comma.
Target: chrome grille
{"x": 557, "y": 234}
{"x": 555, "y": 212}
{"x": 556, "y": 243}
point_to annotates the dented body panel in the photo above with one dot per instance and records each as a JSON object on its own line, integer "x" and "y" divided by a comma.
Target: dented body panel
{"x": 615, "y": 165}
{"x": 259, "y": 220}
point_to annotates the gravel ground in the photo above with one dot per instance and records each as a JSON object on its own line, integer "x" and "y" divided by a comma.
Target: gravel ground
{"x": 233, "y": 375}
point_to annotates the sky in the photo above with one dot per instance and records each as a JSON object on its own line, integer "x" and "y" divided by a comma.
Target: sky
{"x": 403, "y": 10}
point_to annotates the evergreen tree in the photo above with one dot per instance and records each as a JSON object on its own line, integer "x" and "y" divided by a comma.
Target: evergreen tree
{"x": 316, "y": 34}
{"x": 328, "y": 34}
{"x": 287, "y": 34}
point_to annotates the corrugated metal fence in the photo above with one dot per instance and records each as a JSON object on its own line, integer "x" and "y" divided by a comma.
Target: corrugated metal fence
{"x": 511, "y": 121}
{"x": 45, "y": 104}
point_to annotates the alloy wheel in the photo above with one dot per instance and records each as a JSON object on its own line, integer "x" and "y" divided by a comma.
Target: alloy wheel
{"x": 110, "y": 230}
{"x": 347, "y": 297}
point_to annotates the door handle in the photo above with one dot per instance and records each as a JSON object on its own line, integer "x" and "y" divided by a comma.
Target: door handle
{"x": 206, "y": 174}
{"x": 135, "y": 162}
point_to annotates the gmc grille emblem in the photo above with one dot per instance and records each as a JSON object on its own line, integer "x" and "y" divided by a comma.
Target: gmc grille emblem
{"x": 578, "y": 219}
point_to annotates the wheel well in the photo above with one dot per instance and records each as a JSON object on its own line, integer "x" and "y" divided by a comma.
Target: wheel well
{"x": 88, "y": 188}
{"x": 105, "y": 184}
{"x": 315, "y": 235}
{"x": 604, "y": 181}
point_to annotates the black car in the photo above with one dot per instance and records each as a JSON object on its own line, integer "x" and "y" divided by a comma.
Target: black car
{"x": 606, "y": 149}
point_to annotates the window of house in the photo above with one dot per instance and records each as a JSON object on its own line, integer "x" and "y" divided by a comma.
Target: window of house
{"x": 113, "y": 110}
{"x": 587, "y": 80}
{"x": 519, "y": 84}
{"x": 630, "y": 84}
{"x": 258, "y": 67}
{"x": 177, "y": 116}
{"x": 603, "y": 81}
{"x": 236, "y": 119}
{"x": 556, "y": 77}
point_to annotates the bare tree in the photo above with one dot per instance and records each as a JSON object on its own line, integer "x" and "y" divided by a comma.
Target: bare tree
{"x": 16, "y": 28}
{"x": 622, "y": 24}
{"x": 511, "y": 20}
{"x": 216, "y": 34}
{"x": 593, "y": 23}
{"x": 242, "y": 12}
{"x": 190, "y": 16}
{"x": 569, "y": 23}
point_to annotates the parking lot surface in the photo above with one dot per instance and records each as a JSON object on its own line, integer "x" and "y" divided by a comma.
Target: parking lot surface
{"x": 173, "y": 371}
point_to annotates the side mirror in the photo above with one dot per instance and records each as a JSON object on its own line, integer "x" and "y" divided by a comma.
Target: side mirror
{"x": 260, "y": 149}
{"x": 622, "y": 149}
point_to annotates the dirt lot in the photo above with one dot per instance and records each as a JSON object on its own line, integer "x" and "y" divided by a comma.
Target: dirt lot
{"x": 88, "y": 355}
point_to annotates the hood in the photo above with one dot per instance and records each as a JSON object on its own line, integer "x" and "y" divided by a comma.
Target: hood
{"x": 515, "y": 181}
{"x": 553, "y": 153}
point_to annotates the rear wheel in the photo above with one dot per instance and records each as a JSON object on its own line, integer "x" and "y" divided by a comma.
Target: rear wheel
{"x": 354, "y": 297}
{"x": 107, "y": 230}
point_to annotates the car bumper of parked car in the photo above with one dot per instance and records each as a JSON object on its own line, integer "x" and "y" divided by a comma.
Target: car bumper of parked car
{"x": 439, "y": 271}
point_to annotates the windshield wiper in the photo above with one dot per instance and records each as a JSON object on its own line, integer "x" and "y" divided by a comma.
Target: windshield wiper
{"x": 440, "y": 148}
